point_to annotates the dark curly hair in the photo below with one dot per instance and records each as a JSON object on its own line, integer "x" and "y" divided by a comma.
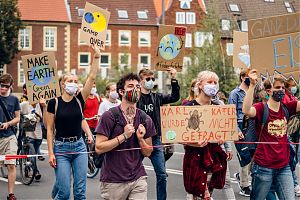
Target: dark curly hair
{"x": 126, "y": 77}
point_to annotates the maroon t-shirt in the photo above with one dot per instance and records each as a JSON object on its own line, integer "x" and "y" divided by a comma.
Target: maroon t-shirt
{"x": 123, "y": 166}
{"x": 274, "y": 156}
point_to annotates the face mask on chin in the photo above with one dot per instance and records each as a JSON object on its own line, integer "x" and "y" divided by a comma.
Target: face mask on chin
{"x": 71, "y": 88}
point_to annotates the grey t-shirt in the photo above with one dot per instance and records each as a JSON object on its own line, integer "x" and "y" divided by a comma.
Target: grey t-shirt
{"x": 12, "y": 104}
{"x": 123, "y": 166}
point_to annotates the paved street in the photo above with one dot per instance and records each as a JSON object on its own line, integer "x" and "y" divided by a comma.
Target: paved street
{"x": 41, "y": 190}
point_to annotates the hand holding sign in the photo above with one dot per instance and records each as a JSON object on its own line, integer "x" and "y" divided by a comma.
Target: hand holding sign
{"x": 253, "y": 76}
{"x": 96, "y": 51}
{"x": 172, "y": 72}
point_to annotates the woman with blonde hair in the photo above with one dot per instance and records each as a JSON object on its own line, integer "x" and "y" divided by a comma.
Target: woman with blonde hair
{"x": 204, "y": 163}
{"x": 191, "y": 93}
{"x": 64, "y": 115}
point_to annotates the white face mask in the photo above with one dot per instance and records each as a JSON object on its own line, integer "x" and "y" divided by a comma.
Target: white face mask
{"x": 294, "y": 90}
{"x": 71, "y": 88}
{"x": 94, "y": 91}
{"x": 211, "y": 90}
{"x": 114, "y": 95}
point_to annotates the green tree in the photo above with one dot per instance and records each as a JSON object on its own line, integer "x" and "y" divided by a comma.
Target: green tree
{"x": 10, "y": 23}
{"x": 211, "y": 56}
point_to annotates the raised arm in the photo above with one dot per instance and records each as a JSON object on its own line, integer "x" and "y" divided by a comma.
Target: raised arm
{"x": 175, "y": 94}
{"x": 248, "y": 109}
{"x": 92, "y": 74}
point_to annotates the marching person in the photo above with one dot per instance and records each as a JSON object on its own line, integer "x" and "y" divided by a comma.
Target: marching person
{"x": 204, "y": 163}
{"x": 123, "y": 175}
{"x": 9, "y": 117}
{"x": 271, "y": 161}
{"x": 236, "y": 97}
{"x": 111, "y": 99}
{"x": 150, "y": 103}
{"x": 65, "y": 115}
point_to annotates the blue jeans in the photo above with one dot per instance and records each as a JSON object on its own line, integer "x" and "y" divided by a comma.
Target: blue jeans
{"x": 36, "y": 145}
{"x": 65, "y": 164}
{"x": 158, "y": 161}
{"x": 281, "y": 181}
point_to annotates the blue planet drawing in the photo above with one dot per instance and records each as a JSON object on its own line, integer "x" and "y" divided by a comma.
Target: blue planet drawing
{"x": 89, "y": 18}
{"x": 169, "y": 47}
{"x": 40, "y": 81}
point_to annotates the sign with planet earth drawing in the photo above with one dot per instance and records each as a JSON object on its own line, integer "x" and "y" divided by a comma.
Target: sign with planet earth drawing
{"x": 170, "y": 50}
{"x": 94, "y": 25}
{"x": 41, "y": 76}
{"x": 185, "y": 124}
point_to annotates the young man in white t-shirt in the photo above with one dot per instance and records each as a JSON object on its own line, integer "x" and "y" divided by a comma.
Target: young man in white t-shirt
{"x": 111, "y": 99}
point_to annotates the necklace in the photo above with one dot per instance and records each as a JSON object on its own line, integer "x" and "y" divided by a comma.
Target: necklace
{"x": 128, "y": 118}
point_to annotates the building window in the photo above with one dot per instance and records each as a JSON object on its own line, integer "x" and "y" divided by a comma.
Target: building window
{"x": 185, "y": 4}
{"x": 234, "y": 7}
{"x": 190, "y": 18}
{"x": 84, "y": 59}
{"x": 80, "y": 12}
{"x": 21, "y": 76}
{"x": 124, "y": 38}
{"x": 50, "y": 37}
{"x": 25, "y": 38}
{"x": 80, "y": 42}
{"x": 225, "y": 25}
{"x": 144, "y": 60}
{"x": 229, "y": 49}
{"x": 122, "y": 14}
{"x": 289, "y": 7}
{"x": 180, "y": 17}
{"x": 244, "y": 25}
{"x": 144, "y": 38}
{"x": 2, "y": 69}
{"x": 105, "y": 60}
{"x": 142, "y": 14}
{"x": 108, "y": 38}
{"x": 202, "y": 37}
{"x": 124, "y": 60}
{"x": 188, "y": 40}
{"x": 269, "y": 0}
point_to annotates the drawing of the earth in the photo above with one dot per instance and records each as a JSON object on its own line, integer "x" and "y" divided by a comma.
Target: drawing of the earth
{"x": 169, "y": 47}
{"x": 171, "y": 135}
{"x": 40, "y": 80}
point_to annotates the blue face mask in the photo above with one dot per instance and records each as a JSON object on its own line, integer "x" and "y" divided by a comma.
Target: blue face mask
{"x": 294, "y": 90}
{"x": 149, "y": 85}
{"x": 247, "y": 81}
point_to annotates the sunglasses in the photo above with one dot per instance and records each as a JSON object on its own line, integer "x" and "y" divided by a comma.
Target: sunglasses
{"x": 4, "y": 86}
{"x": 149, "y": 78}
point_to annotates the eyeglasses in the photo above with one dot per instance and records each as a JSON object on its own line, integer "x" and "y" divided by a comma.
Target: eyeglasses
{"x": 150, "y": 78}
{"x": 4, "y": 86}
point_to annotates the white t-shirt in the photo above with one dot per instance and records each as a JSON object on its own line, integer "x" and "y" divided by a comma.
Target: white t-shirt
{"x": 106, "y": 105}
{"x": 26, "y": 108}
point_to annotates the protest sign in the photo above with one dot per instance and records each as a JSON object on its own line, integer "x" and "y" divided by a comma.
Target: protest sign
{"x": 196, "y": 123}
{"x": 275, "y": 45}
{"x": 241, "y": 57}
{"x": 41, "y": 76}
{"x": 94, "y": 25}
{"x": 170, "y": 50}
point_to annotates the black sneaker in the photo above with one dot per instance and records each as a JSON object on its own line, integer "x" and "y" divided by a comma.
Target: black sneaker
{"x": 245, "y": 191}
{"x": 11, "y": 197}
{"x": 238, "y": 179}
{"x": 38, "y": 176}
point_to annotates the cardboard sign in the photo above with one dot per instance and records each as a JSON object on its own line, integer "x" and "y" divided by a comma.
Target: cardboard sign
{"x": 41, "y": 76}
{"x": 171, "y": 46}
{"x": 196, "y": 123}
{"x": 94, "y": 25}
{"x": 241, "y": 57}
{"x": 275, "y": 45}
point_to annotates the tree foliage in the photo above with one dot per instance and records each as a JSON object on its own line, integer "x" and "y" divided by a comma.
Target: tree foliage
{"x": 211, "y": 56}
{"x": 10, "y": 23}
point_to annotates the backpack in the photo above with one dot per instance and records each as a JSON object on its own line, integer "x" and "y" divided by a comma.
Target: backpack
{"x": 246, "y": 151}
{"x": 99, "y": 158}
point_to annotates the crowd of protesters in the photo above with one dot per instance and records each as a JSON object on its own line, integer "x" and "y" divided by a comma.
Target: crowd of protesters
{"x": 128, "y": 117}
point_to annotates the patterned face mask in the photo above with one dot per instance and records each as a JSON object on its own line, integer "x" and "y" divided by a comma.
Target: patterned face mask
{"x": 278, "y": 95}
{"x": 132, "y": 95}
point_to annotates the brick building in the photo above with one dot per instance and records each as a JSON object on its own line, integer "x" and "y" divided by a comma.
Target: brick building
{"x": 47, "y": 27}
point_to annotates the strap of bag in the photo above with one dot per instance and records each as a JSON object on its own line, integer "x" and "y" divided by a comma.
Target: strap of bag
{"x": 7, "y": 115}
{"x": 264, "y": 120}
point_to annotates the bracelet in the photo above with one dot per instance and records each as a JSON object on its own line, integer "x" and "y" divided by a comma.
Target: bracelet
{"x": 118, "y": 140}
{"x": 125, "y": 137}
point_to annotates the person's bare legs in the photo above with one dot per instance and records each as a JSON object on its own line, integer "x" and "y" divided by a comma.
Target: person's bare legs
{"x": 11, "y": 168}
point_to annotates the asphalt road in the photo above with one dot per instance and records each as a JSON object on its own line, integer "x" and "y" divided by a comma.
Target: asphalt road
{"x": 41, "y": 190}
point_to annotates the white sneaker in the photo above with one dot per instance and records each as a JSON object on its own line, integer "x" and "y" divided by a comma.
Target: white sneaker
{"x": 297, "y": 190}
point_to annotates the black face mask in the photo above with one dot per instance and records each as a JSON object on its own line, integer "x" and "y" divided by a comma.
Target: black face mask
{"x": 278, "y": 95}
{"x": 247, "y": 81}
